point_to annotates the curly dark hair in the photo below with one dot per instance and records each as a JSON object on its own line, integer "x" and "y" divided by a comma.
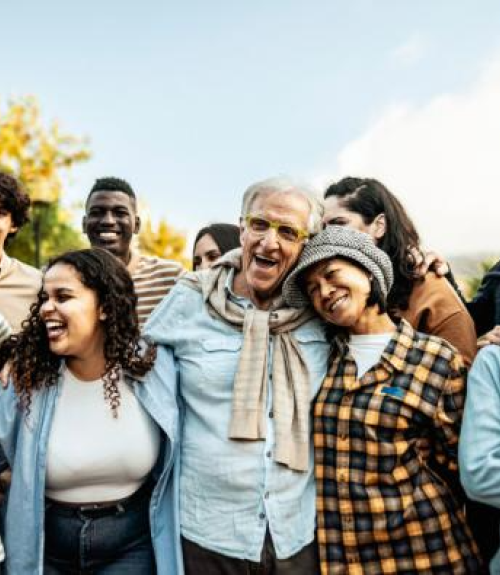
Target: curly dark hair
{"x": 111, "y": 184}
{"x": 14, "y": 200}
{"x": 370, "y": 198}
{"x": 34, "y": 365}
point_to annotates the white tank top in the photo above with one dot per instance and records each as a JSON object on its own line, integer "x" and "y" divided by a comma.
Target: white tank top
{"x": 367, "y": 350}
{"x": 93, "y": 456}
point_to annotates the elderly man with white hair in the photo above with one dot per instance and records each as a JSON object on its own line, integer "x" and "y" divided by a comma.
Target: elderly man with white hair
{"x": 249, "y": 367}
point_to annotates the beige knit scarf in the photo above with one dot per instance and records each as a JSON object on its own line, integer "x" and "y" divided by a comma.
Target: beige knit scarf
{"x": 289, "y": 373}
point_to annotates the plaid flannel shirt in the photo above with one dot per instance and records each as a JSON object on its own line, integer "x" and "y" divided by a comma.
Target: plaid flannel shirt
{"x": 381, "y": 508}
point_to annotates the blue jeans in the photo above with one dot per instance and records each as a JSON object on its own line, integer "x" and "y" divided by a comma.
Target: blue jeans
{"x": 114, "y": 544}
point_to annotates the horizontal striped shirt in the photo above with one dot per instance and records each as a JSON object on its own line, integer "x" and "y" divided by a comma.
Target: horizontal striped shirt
{"x": 383, "y": 509}
{"x": 153, "y": 279}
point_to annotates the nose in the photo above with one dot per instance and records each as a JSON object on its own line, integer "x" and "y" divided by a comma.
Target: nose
{"x": 326, "y": 289}
{"x": 46, "y": 307}
{"x": 270, "y": 239}
{"x": 108, "y": 218}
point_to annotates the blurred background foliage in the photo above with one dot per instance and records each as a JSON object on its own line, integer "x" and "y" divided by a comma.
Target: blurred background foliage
{"x": 42, "y": 158}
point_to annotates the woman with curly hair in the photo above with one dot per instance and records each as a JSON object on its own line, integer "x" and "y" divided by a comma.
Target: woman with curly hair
{"x": 88, "y": 428}
{"x": 428, "y": 303}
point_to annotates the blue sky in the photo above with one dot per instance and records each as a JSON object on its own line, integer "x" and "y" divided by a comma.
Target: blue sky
{"x": 193, "y": 101}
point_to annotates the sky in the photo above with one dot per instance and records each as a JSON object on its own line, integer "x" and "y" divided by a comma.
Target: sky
{"x": 194, "y": 101}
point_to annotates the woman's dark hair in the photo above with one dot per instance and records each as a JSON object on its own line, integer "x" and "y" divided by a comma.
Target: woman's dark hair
{"x": 33, "y": 365}
{"x": 369, "y": 198}
{"x": 226, "y": 236}
{"x": 15, "y": 200}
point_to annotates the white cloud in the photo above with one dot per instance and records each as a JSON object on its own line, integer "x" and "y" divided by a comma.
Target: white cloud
{"x": 443, "y": 161}
{"x": 410, "y": 52}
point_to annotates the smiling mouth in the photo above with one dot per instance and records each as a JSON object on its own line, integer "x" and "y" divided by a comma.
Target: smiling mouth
{"x": 55, "y": 329}
{"x": 338, "y": 302}
{"x": 263, "y": 262}
{"x": 108, "y": 236}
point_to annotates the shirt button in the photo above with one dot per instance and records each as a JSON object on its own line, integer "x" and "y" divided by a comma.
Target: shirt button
{"x": 266, "y": 495}
{"x": 262, "y": 515}
{"x": 271, "y": 414}
{"x": 268, "y": 454}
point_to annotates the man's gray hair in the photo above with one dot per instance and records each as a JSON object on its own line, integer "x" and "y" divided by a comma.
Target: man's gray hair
{"x": 285, "y": 184}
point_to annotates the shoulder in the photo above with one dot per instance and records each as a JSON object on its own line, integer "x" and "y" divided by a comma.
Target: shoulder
{"x": 26, "y": 271}
{"x": 155, "y": 263}
{"x": 488, "y": 358}
{"x": 175, "y": 308}
{"x": 434, "y": 295}
{"x": 431, "y": 355}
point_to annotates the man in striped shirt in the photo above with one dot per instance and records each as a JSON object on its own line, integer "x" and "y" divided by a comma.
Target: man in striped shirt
{"x": 110, "y": 222}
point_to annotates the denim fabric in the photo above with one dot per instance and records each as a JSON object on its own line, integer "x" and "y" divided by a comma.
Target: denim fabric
{"x": 231, "y": 491}
{"x": 118, "y": 544}
{"x": 478, "y": 449}
{"x": 24, "y": 441}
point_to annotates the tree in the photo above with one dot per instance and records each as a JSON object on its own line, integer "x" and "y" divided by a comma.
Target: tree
{"x": 40, "y": 158}
{"x": 164, "y": 242}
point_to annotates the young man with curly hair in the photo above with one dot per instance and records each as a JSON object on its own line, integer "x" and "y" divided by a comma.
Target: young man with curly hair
{"x": 19, "y": 282}
{"x": 110, "y": 222}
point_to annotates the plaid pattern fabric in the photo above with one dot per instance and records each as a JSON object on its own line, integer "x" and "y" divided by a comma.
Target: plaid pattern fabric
{"x": 381, "y": 508}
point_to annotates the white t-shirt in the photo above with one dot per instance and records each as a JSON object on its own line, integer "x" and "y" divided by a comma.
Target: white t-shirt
{"x": 367, "y": 350}
{"x": 93, "y": 456}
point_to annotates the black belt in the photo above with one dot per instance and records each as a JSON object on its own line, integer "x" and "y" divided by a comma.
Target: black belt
{"x": 97, "y": 510}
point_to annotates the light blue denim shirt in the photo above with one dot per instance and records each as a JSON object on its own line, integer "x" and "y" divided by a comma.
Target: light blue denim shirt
{"x": 25, "y": 441}
{"x": 231, "y": 491}
{"x": 479, "y": 445}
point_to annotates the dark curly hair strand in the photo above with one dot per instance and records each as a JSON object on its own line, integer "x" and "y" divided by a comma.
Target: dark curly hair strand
{"x": 34, "y": 366}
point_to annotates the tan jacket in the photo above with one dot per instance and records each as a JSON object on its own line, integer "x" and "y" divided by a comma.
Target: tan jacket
{"x": 435, "y": 309}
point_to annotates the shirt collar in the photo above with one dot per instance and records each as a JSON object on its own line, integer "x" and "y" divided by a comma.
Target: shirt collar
{"x": 231, "y": 295}
{"x": 396, "y": 352}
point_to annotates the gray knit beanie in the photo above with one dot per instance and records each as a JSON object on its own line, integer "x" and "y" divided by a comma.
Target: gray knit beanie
{"x": 339, "y": 241}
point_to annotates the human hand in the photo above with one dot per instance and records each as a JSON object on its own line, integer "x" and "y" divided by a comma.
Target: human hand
{"x": 424, "y": 261}
{"x": 491, "y": 337}
{"x": 5, "y": 374}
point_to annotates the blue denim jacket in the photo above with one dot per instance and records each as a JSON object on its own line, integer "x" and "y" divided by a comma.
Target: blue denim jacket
{"x": 479, "y": 445}
{"x": 24, "y": 442}
{"x": 230, "y": 491}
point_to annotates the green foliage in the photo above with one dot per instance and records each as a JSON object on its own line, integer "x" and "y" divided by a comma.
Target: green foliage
{"x": 39, "y": 157}
{"x": 473, "y": 283}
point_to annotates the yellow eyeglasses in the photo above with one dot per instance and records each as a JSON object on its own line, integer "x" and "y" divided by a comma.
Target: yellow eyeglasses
{"x": 260, "y": 226}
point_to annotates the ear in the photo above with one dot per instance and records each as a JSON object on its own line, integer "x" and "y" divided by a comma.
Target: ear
{"x": 102, "y": 315}
{"x": 378, "y": 227}
{"x": 137, "y": 224}
{"x": 84, "y": 224}
{"x": 242, "y": 231}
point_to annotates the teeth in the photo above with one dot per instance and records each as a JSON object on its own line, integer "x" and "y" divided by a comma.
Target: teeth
{"x": 108, "y": 235}
{"x": 52, "y": 323}
{"x": 337, "y": 303}
{"x": 264, "y": 259}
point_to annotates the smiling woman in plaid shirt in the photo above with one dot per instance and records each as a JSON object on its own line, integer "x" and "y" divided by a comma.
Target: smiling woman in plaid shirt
{"x": 381, "y": 508}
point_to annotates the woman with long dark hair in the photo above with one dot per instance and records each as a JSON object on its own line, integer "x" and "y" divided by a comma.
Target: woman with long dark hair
{"x": 87, "y": 427}
{"x": 212, "y": 242}
{"x": 428, "y": 303}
